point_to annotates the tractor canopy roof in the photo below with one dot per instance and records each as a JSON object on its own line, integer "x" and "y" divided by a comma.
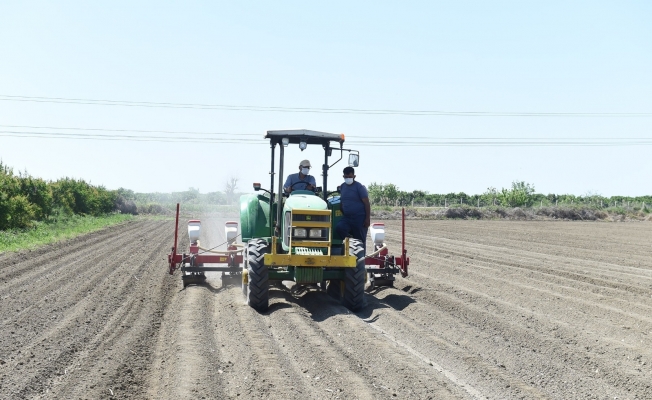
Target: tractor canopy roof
{"x": 304, "y": 135}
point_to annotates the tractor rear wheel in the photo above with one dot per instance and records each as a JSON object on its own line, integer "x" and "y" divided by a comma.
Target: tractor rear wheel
{"x": 257, "y": 275}
{"x": 354, "y": 278}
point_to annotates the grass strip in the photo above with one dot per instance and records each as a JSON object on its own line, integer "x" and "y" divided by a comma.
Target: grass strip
{"x": 47, "y": 232}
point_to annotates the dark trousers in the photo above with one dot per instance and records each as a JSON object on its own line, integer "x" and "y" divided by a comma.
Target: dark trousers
{"x": 352, "y": 226}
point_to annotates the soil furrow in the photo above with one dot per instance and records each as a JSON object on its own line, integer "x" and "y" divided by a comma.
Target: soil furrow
{"x": 49, "y": 351}
{"x": 36, "y": 263}
{"x": 491, "y": 309}
{"x": 545, "y": 295}
{"x": 500, "y": 332}
{"x": 576, "y": 265}
{"x": 75, "y": 277}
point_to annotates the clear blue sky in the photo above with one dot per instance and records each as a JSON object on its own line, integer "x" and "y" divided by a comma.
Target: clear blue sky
{"x": 498, "y": 56}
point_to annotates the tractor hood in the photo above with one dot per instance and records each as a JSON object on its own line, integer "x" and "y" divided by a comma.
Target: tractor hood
{"x": 304, "y": 201}
{"x": 299, "y": 201}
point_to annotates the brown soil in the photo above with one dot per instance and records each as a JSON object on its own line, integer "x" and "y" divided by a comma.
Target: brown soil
{"x": 492, "y": 309}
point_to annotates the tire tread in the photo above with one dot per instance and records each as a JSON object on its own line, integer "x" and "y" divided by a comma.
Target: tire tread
{"x": 258, "y": 276}
{"x": 354, "y": 278}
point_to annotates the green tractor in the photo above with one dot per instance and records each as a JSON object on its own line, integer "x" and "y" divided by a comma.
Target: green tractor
{"x": 292, "y": 237}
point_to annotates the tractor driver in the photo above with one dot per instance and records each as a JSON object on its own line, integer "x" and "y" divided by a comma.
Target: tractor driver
{"x": 301, "y": 180}
{"x": 356, "y": 211}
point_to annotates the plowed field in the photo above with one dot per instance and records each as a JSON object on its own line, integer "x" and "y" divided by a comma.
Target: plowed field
{"x": 491, "y": 309}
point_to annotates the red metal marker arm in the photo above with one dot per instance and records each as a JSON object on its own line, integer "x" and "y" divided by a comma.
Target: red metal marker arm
{"x": 171, "y": 257}
{"x": 404, "y": 258}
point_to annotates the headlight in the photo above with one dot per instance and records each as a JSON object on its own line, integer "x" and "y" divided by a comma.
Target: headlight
{"x": 315, "y": 234}
{"x": 300, "y": 232}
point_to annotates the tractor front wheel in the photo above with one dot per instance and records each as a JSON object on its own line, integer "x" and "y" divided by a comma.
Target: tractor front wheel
{"x": 354, "y": 278}
{"x": 257, "y": 275}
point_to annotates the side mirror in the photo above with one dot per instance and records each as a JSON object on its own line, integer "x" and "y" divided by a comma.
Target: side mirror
{"x": 256, "y": 186}
{"x": 354, "y": 160}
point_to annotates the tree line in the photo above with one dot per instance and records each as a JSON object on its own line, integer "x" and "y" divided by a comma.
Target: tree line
{"x": 25, "y": 199}
{"x": 520, "y": 194}
{"x": 157, "y": 203}
{"x": 154, "y": 203}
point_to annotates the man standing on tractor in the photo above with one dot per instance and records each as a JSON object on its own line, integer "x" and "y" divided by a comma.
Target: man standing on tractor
{"x": 355, "y": 207}
{"x": 302, "y": 180}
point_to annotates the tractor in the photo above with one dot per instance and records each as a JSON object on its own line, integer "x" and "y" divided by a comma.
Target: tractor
{"x": 292, "y": 237}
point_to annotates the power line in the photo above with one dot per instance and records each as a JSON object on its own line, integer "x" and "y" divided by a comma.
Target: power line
{"x": 109, "y": 138}
{"x": 131, "y": 130}
{"x": 228, "y": 107}
{"x": 358, "y": 139}
{"x": 514, "y": 144}
{"x": 448, "y": 142}
{"x": 126, "y": 137}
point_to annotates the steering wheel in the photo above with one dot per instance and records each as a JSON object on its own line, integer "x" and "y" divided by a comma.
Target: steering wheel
{"x": 305, "y": 183}
{"x": 337, "y": 190}
{"x": 329, "y": 194}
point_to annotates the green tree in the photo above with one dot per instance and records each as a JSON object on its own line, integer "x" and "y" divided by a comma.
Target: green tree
{"x": 520, "y": 195}
{"x": 490, "y": 196}
{"x": 390, "y": 194}
{"x": 39, "y": 193}
{"x": 21, "y": 212}
{"x": 375, "y": 191}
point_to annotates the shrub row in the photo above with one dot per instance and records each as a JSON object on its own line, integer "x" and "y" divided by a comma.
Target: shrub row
{"x": 520, "y": 194}
{"x": 25, "y": 199}
{"x": 572, "y": 213}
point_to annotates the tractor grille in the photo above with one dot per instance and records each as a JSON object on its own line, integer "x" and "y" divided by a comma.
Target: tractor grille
{"x": 311, "y": 218}
{"x": 307, "y": 251}
{"x": 307, "y": 227}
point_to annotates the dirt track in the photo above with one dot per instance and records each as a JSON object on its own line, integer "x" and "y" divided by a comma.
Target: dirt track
{"x": 492, "y": 309}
